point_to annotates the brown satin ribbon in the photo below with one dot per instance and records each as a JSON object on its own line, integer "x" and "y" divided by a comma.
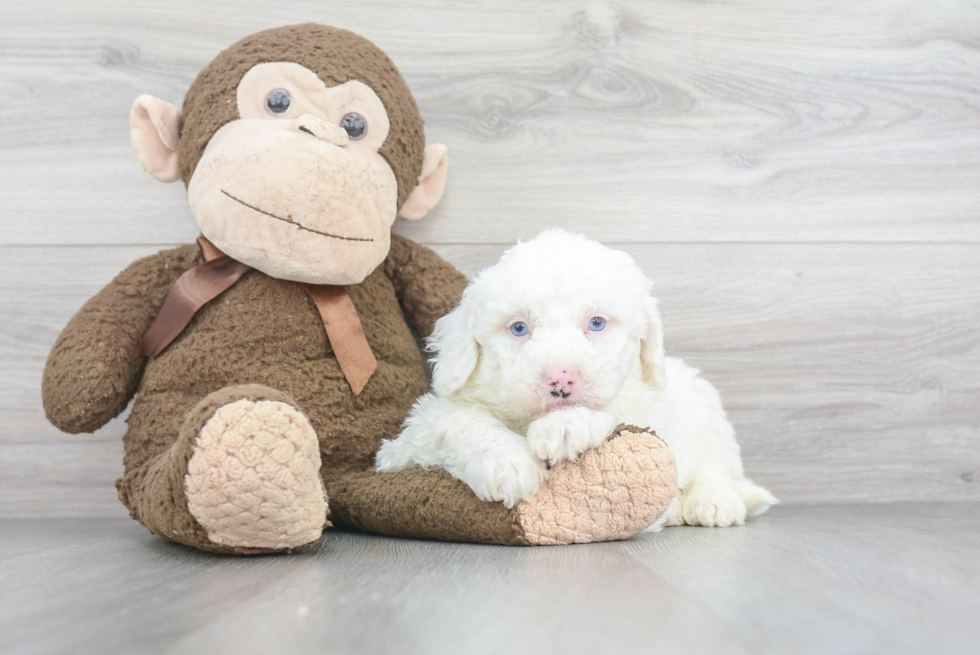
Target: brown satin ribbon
{"x": 192, "y": 290}
{"x": 345, "y": 332}
{"x": 206, "y": 281}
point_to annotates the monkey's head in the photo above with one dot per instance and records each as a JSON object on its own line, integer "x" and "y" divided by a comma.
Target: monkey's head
{"x": 299, "y": 146}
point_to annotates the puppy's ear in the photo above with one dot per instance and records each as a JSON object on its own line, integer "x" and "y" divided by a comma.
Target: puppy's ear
{"x": 652, "y": 347}
{"x": 455, "y": 346}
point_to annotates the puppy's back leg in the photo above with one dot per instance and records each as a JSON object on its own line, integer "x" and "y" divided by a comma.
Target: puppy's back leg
{"x": 718, "y": 493}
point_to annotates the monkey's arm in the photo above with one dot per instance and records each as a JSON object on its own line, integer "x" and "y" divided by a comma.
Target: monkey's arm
{"x": 611, "y": 492}
{"x": 94, "y": 367}
{"x": 428, "y": 286}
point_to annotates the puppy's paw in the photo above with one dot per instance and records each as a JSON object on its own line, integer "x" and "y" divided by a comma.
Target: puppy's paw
{"x": 718, "y": 507}
{"x": 508, "y": 473}
{"x": 567, "y": 433}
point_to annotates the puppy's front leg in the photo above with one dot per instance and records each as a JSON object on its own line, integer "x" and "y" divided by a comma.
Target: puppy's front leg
{"x": 567, "y": 433}
{"x": 471, "y": 444}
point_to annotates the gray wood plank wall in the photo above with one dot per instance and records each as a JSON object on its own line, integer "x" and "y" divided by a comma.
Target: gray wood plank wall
{"x": 802, "y": 179}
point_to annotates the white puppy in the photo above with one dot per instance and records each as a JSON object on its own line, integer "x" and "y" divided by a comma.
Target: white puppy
{"x": 548, "y": 351}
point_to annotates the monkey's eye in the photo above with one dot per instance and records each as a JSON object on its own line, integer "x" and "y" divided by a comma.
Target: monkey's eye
{"x": 355, "y": 125}
{"x": 519, "y": 329}
{"x": 597, "y": 323}
{"x": 277, "y": 102}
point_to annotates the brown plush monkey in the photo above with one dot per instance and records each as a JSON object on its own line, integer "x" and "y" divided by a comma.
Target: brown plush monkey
{"x": 278, "y": 351}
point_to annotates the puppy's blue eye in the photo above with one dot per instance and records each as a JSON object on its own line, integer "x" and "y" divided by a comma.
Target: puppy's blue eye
{"x": 519, "y": 329}
{"x": 597, "y": 323}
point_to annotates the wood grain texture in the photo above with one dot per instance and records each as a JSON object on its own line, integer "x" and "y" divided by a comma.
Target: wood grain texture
{"x": 802, "y": 179}
{"x": 849, "y": 371}
{"x": 845, "y": 580}
{"x": 658, "y": 120}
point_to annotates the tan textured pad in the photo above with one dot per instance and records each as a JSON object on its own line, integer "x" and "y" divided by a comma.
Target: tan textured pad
{"x": 253, "y": 479}
{"x": 611, "y": 492}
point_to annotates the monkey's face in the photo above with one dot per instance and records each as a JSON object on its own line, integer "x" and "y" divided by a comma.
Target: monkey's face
{"x": 295, "y": 187}
{"x": 299, "y": 146}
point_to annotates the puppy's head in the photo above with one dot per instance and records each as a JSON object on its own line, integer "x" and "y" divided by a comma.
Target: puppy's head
{"x": 559, "y": 321}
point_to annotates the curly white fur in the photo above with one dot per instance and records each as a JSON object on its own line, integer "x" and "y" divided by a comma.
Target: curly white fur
{"x": 505, "y": 404}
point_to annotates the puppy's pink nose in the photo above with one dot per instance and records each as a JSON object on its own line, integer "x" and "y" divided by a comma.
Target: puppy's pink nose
{"x": 561, "y": 382}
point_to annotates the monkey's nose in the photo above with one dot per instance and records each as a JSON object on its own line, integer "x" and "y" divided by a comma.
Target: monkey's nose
{"x": 323, "y": 130}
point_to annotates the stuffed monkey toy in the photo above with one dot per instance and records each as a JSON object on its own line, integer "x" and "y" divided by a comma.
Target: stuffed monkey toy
{"x": 269, "y": 360}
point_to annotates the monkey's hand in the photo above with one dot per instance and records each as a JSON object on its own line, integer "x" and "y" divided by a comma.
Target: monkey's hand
{"x": 94, "y": 367}
{"x": 427, "y": 286}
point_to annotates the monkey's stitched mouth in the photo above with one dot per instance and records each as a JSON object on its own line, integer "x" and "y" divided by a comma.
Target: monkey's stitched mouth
{"x": 292, "y": 222}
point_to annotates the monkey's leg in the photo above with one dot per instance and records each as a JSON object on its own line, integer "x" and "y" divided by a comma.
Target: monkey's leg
{"x": 242, "y": 477}
{"x": 611, "y": 492}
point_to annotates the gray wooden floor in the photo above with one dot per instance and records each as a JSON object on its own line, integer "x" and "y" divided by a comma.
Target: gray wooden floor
{"x": 847, "y": 579}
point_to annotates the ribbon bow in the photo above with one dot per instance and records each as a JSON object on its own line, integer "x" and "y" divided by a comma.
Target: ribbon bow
{"x": 208, "y": 280}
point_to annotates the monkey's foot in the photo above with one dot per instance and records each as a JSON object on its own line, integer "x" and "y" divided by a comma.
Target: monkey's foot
{"x": 253, "y": 479}
{"x": 610, "y": 492}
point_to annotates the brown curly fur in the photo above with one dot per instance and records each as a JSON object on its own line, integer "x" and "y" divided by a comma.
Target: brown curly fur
{"x": 279, "y": 342}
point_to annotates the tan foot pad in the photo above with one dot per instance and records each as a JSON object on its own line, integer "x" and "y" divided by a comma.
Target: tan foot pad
{"x": 254, "y": 477}
{"x": 611, "y": 492}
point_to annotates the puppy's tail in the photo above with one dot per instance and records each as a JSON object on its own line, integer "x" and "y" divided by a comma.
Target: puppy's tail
{"x": 757, "y": 500}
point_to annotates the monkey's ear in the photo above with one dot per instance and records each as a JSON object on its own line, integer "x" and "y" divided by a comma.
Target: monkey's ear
{"x": 154, "y": 127}
{"x": 431, "y": 184}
